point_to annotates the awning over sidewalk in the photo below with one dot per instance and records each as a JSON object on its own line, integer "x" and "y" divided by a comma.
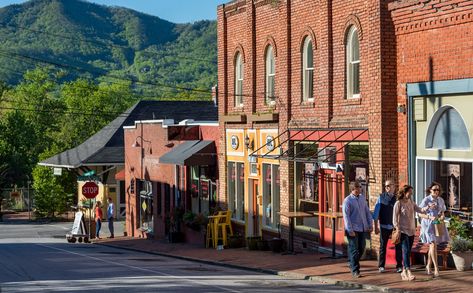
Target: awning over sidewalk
{"x": 336, "y": 138}
{"x": 191, "y": 153}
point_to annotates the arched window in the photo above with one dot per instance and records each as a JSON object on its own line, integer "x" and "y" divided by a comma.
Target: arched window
{"x": 238, "y": 80}
{"x": 270, "y": 76}
{"x": 447, "y": 130}
{"x": 307, "y": 70}
{"x": 353, "y": 63}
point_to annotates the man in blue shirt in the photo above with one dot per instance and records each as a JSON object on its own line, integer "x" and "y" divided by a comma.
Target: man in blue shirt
{"x": 110, "y": 212}
{"x": 358, "y": 221}
{"x": 383, "y": 213}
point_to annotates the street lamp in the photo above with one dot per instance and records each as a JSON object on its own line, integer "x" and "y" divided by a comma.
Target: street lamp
{"x": 137, "y": 144}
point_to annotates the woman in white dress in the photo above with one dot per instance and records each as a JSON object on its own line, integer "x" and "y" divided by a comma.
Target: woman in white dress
{"x": 436, "y": 209}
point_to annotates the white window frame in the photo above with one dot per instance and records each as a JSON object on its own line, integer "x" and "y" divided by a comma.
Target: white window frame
{"x": 270, "y": 85}
{"x": 307, "y": 71}
{"x": 236, "y": 203}
{"x": 351, "y": 63}
{"x": 239, "y": 74}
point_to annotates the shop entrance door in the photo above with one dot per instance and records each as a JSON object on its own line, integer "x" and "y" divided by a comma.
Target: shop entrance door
{"x": 332, "y": 194}
{"x": 253, "y": 208}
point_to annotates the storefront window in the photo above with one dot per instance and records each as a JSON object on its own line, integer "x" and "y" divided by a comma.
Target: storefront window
{"x": 306, "y": 187}
{"x": 146, "y": 206}
{"x": 271, "y": 195}
{"x": 456, "y": 181}
{"x": 236, "y": 189}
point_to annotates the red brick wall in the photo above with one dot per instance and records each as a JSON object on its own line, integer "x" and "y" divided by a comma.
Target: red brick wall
{"x": 434, "y": 42}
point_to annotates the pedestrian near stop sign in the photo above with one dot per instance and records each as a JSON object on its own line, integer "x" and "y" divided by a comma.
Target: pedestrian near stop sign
{"x": 90, "y": 189}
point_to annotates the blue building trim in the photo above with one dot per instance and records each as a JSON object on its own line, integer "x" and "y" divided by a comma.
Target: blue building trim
{"x": 457, "y": 86}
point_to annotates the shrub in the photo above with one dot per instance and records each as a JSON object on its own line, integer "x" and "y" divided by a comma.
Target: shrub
{"x": 461, "y": 244}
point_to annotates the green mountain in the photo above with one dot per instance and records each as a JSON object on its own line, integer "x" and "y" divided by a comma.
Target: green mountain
{"x": 112, "y": 44}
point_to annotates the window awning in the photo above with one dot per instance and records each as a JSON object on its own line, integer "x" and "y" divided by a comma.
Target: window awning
{"x": 191, "y": 153}
{"x": 331, "y": 137}
{"x": 120, "y": 176}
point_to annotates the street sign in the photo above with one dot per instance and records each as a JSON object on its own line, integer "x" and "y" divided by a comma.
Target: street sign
{"x": 90, "y": 173}
{"x": 90, "y": 189}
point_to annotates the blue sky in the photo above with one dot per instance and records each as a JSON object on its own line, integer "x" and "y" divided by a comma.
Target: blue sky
{"x": 178, "y": 11}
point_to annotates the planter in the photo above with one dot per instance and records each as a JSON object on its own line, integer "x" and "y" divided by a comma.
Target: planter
{"x": 175, "y": 237}
{"x": 194, "y": 237}
{"x": 462, "y": 259}
{"x": 235, "y": 242}
{"x": 262, "y": 245}
{"x": 276, "y": 244}
{"x": 252, "y": 242}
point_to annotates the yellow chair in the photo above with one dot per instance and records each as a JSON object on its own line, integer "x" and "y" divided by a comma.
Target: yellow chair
{"x": 211, "y": 231}
{"x": 223, "y": 222}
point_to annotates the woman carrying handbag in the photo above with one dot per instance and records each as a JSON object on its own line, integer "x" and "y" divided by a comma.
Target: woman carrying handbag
{"x": 404, "y": 222}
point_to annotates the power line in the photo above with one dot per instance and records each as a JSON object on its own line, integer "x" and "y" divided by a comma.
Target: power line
{"x": 104, "y": 73}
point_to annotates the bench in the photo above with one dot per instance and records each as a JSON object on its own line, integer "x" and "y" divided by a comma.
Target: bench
{"x": 443, "y": 249}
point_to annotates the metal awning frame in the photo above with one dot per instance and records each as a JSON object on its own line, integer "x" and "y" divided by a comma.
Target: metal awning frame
{"x": 296, "y": 157}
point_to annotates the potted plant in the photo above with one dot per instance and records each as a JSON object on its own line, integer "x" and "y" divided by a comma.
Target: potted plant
{"x": 276, "y": 244}
{"x": 461, "y": 250}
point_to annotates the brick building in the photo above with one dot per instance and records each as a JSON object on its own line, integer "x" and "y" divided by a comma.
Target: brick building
{"x": 310, "y": 72}
{"x": 170, "y": 163}
{"x": 314, "y": 94}
{"x": 434, "y": 80}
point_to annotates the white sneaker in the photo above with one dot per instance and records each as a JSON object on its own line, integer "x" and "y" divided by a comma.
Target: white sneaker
{"x": 381, "y": 270}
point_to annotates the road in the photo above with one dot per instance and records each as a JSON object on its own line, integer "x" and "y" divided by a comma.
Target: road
{"x": 36, "y": 258}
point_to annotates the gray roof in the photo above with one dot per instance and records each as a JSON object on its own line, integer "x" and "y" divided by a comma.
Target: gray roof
{"x": 191, "y": 153}
{"x": 106, "y": 146}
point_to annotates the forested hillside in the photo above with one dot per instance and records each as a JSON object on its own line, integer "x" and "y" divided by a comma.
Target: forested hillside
{"x": 113, "y": 44}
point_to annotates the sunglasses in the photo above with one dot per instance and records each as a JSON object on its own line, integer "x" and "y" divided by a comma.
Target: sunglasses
{"x": 435, "y": 189}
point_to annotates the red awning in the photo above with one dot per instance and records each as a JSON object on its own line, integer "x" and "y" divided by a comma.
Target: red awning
{"x": 120, "y": 176}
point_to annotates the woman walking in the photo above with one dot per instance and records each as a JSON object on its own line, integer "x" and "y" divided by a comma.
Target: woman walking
{"x": 98, "y": 219}
{"x": 435, "y": 206}
{"x": 404, "y": 220}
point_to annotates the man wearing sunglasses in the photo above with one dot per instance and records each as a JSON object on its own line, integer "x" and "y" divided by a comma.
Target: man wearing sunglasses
{"x": 383, "y": 217}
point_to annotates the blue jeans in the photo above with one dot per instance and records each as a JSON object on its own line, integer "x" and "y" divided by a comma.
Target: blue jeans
{"x": 356, "y": 247}
{"x": 406, "y": 243}
{"x": 98, "y": 226}
{"x": 383, "y": 244}
{"x": 110, "y": 226}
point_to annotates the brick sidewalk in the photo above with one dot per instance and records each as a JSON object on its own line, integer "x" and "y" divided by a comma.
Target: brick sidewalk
{"x": 306, "y": 265}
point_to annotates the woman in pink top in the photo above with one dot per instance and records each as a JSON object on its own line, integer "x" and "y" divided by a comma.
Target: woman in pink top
{"x": 404, "y": 219}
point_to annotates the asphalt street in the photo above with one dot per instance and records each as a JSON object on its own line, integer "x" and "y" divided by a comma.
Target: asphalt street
{"x": 37, "y": 258}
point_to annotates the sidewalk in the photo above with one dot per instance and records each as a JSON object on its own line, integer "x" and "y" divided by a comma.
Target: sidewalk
{"x": 310, "y": 266}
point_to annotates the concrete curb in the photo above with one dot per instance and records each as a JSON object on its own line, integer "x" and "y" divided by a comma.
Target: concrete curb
{"x": 324, "y": 280}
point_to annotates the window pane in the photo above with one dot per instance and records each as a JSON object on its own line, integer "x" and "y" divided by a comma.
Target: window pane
{"x": 241, "y": 191}
{"x": 267, "y": 195}
{"x": 356, "y": 79}
{"x": 355, "y": 45}
{"x": 450, "y": 132}
{"x": 310, "y": 56}
{"x": 231, "y": 188}
{"x": 276, "y": 192}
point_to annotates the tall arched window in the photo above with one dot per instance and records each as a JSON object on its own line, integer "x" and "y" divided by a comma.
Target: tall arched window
{"x": 353, "y": 63}
{"x": 238, "y": 80}
{"x": 307, "y": 70}
{"x": 270, "y": 76}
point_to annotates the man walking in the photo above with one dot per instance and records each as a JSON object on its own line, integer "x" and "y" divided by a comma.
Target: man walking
{"x": 110, "y": 214}
{"x": 383, "y": 213}
{"x": 358, "y": 221}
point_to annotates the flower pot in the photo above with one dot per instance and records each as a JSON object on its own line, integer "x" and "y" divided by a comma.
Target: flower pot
{"x": 252, "y": 242}
{"x": 262, "y": 245}
{"x": 276, "y": 244}
{"x": 462, "y": 260}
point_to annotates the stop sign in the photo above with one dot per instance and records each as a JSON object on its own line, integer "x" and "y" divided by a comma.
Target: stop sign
{"x": 90, "y": 189}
